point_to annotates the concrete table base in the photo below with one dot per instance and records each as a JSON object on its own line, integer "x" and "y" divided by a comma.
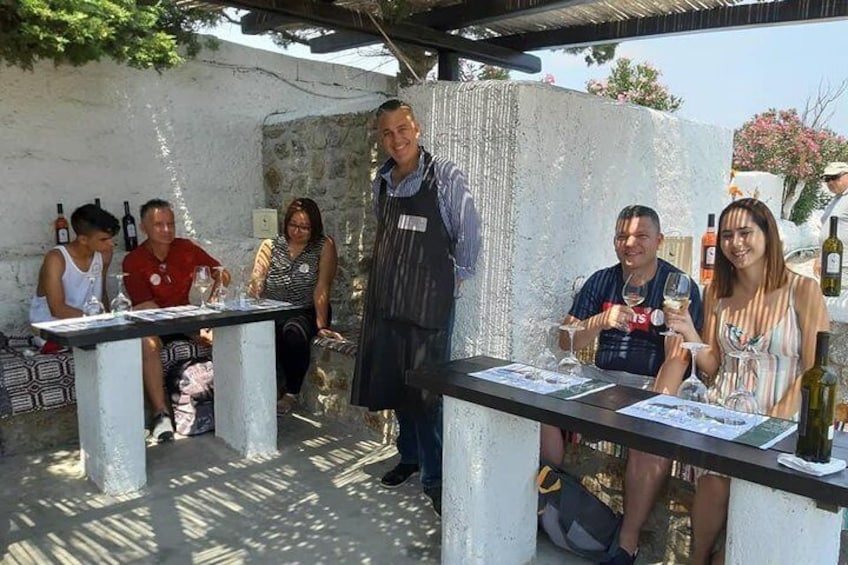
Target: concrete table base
{"x": 246, "y": 388}
{"x": 765, "y": 525}
{"x": 110, "y": 412}
{"x": 489, "y": 485}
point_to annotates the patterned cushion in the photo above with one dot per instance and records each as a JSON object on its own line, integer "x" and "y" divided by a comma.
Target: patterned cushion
{"x": 45, "y": 381}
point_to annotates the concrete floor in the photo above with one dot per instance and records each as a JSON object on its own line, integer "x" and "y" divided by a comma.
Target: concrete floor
{"x": 316, "y": 501}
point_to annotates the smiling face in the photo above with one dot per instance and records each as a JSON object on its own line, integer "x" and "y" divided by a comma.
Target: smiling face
{"x": 636, "y": 242}
{"x": 399, "y": 133}
{"x": 837, "y": 184}
{"x": 742, "y": 241}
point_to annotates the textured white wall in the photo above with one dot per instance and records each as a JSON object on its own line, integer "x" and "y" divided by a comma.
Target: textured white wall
{"x": 191, "y": 135}
{"x": 550, "y": 170}
{"x": 765, "y": 186}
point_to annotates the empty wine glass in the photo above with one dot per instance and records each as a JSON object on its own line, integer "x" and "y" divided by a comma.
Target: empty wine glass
{"x": 675, "y": 294}
{"x": 570, "y": 363}
{"x": 121, "y": 304}
{"x": 634, "y": 291}
{"x": 693, "y": 388}
{"x": 742, "y": 399}
{"x": 202, "y": 282}
{"x": 218, "y": 299}
{"x": 92, "y": 305}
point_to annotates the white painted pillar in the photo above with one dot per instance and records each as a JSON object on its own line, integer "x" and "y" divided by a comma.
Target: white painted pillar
{"x": 246, "y": 388}
{"x": 489, "y": 498}
{"x": 110, "y": 413}
{"x": 765, "y": 525}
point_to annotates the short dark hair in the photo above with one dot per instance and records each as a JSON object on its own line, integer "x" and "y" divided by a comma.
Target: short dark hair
{"x": 393, "y": 105}
{"x": 310, "y": 208}
{"x": 639, "y": 211}
{"x": 90, "y": 218}
{"x": 154, "y": 204}
{"x": 775, "y": 266}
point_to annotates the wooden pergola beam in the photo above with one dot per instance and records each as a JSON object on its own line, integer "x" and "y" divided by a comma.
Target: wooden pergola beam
{"x": 733, "y": 17}
{"x": 327, "y": 15}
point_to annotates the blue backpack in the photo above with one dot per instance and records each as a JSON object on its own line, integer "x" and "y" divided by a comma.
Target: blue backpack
{"x": 574, "y": 518}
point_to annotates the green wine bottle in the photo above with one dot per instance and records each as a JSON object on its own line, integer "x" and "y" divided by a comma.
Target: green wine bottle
{"x": 831, "y": 258}
{"x": 818, "y": 406}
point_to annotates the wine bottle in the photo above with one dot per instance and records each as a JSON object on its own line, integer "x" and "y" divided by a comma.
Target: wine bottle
{"x": 818, "y": 406}
{"x": 60, "y": 226}
{"x": 708, "y": 250}
{"x": 128, "y": 225}
{"x": 97, "y": 203}
{"x": 831, "y": 261}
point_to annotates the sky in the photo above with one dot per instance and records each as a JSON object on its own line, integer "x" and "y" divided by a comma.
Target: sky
{"x": 725, "y": 78}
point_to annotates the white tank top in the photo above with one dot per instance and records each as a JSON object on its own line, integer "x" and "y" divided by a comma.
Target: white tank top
{"x": 75, "y": 283}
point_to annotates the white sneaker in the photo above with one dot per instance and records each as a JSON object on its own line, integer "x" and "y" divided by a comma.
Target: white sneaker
{"x": 163, "y": 429}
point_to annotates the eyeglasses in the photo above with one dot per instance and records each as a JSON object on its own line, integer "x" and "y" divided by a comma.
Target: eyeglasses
{"x": 829, "y": 178}
{"x": 300, "y": 227}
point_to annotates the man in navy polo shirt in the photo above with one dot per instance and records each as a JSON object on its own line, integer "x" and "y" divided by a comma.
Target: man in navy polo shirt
{"x": 631, "y": 350}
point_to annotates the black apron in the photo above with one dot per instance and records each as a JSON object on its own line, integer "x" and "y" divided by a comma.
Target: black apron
{"x": 409, "y": 300}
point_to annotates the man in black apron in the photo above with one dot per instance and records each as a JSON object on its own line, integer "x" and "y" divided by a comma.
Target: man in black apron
{"x": 428, "y": 237}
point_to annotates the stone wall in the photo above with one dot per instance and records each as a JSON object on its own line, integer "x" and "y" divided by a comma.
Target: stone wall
{"x": 331, "y": 159}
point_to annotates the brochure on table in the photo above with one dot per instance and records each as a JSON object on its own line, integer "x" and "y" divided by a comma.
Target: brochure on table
{"x": 566, "y": 386}
{"x": 715, "y": 421}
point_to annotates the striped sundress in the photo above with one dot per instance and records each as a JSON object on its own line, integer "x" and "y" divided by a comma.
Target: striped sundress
{"x": 779, "y": 361}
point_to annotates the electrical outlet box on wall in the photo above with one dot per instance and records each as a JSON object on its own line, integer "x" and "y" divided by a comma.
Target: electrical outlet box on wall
{"x": 265, "y": 223}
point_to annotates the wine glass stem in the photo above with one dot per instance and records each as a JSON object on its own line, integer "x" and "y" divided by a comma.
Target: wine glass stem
{"x": 693, "y": 372}
{"x": 571, "y": 342}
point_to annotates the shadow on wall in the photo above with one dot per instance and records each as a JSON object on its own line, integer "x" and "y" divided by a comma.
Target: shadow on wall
{"x": 331, "y": 159}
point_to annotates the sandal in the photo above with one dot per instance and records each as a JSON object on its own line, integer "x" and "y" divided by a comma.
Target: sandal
{"x": 286, "y": 404}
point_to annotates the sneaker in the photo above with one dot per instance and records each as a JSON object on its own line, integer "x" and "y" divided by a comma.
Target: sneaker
{"x": 399, "y": 475}
{"x": 163, "y": 429}
{"x": 435, "y": 496}
{"x": 621, "y": 557}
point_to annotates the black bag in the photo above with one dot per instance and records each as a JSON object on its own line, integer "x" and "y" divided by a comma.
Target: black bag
{"x": 192, "y": 396}
{"x": 574, "y": 518}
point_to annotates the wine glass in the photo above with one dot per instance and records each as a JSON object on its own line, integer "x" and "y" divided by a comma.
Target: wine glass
{"x": 202, "y": 282}
{"x": 219, "y": 295}
{"x": 570, "y": 363}
{"x": 693, "y": 388}
{"x": 121, "y": 304}
{"x": 92, "y": 305}
{"x": 634, "y": 291}
{"x": 675, "y": 294}
{"x": 742, "y": 399}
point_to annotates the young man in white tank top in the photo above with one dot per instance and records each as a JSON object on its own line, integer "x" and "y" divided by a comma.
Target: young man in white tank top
{"x": 64, "y": 278}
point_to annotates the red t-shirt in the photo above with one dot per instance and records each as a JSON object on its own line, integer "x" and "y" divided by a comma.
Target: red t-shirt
{"x": 167, "y": 282}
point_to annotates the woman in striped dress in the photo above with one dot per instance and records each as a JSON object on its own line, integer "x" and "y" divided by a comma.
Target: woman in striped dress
{"x": 754, "y": 303}
{"x": 297, "y": 267}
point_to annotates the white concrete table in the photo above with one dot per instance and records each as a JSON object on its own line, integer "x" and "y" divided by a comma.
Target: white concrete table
{"x": 491, "y": 446}
{"x": 110, "y": 401}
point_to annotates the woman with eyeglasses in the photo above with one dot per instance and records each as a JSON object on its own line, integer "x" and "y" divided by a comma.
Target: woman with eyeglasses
{"x": 297, "y": 267}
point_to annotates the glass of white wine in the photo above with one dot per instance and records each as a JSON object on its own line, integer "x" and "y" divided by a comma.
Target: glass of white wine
{"x": 675, "y": 294}
{"x": 202, "y": 282}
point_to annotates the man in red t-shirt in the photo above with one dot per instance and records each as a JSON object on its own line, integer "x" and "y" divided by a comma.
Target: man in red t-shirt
{"x": 160, "y": 273}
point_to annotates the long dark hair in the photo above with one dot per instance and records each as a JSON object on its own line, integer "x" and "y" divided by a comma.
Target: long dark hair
{"x": 310, "y": 208}
{"x": 775, "y": 275}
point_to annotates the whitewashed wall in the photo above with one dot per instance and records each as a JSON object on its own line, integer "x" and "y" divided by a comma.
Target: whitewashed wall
{"x": 550, "y": 169}
{"x": 191, "y": 135}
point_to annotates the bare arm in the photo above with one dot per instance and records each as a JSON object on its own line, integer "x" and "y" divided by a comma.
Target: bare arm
{"x": 709, "y": 358}
{"x": 673, "y": 368}
{"x": 107, "y": 260}
{"x": 326, "y": 273}
{"x": 812, "y": 318}
{"x": 50, "y": 286}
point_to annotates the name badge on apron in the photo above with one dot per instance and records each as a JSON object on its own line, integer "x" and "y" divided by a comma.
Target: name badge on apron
{"x": 412, "y": 223}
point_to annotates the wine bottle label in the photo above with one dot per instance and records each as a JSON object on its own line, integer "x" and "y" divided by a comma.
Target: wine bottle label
{"x": 709, "y": 256}
{"x": 130, "y": 230}
{"x": 62, "y": 235}
{"x": 833, "y": 265}
{"x": 805, "y": 404}
{"x": 830, "y": 432}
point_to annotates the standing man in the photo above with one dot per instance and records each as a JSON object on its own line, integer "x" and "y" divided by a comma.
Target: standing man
{"x": 632, "y": 350}
{"x": 160, "y": 274}
{"x": 428, "y": 239}
{"x": 835, "y": 176}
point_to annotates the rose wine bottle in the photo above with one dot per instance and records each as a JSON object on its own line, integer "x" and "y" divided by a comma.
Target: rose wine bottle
{"x": 708, "y": 250}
